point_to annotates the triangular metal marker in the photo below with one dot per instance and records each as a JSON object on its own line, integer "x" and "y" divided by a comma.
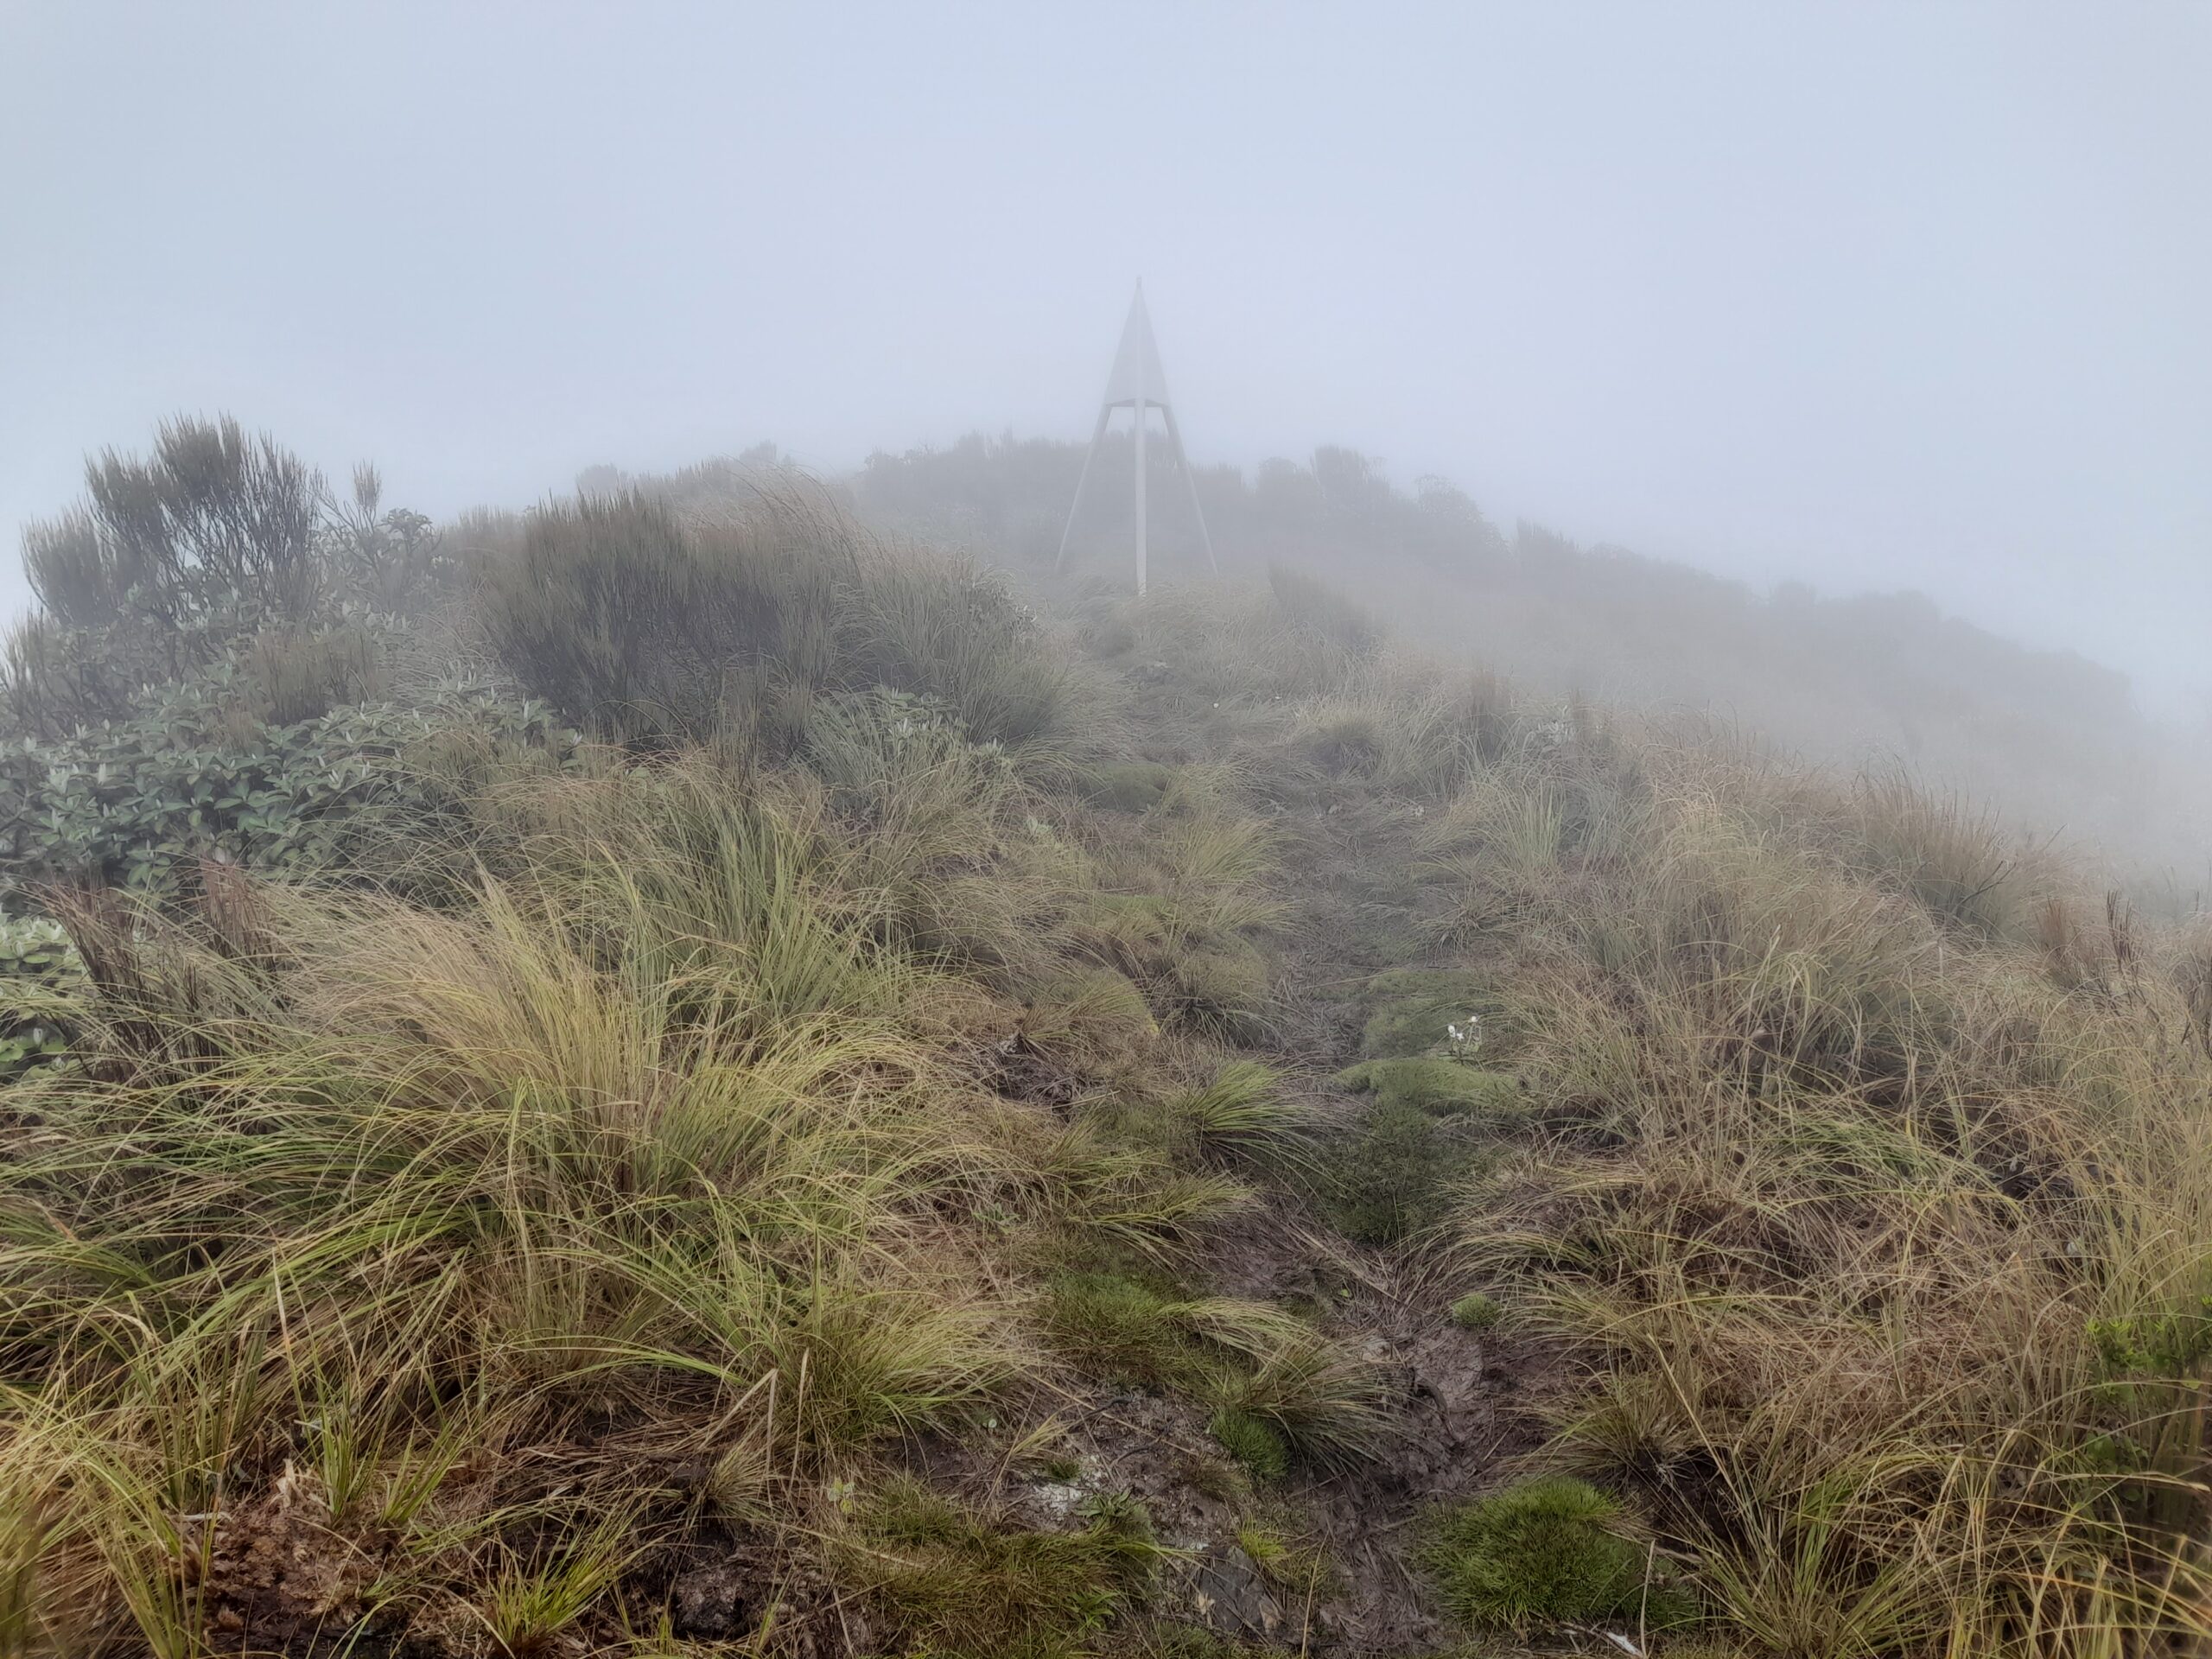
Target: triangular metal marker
{"x": 1137, "y": 374}
{"x": 1137, "y": 383}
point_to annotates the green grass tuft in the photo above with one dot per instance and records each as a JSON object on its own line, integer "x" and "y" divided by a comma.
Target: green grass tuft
{"x": 1476, "y": 1312}
{"x": 1255, "y": 1444}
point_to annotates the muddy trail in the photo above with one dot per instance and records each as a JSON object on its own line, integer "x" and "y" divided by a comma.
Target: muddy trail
{"x": 1361, "y": 976}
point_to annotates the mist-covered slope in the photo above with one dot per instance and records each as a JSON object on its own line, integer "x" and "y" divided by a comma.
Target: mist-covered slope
{"x": 2052, "y": 740}
{"x": 671, "y": 1076}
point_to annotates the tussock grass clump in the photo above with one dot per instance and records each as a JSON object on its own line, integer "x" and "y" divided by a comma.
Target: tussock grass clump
{"x": 1244, "y": 1116}
{"x": 1182, "y": 911}
{"x": 947, "y": 1580}
{"x": 673, "y": 1120}
{"x": 1840, "y": 1187}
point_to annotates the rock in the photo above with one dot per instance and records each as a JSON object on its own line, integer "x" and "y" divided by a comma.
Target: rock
{"x": 706, "y": 1601}
{"x": 1230, "y": 1597}
{"x": 1058, "y": 1499}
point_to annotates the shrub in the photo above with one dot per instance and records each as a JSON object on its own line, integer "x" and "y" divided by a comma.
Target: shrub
{"x": 138, "y": 803}
{"x": 654, "y": 629}
{"x": 215, "y": 522}
{"x": 41, "y": 980}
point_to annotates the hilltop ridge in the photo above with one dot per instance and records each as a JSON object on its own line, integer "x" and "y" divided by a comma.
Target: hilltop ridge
{"x": 674, "y": 1075}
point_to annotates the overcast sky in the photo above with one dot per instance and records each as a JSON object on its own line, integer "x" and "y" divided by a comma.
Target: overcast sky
{"x": 1869, "y": 295}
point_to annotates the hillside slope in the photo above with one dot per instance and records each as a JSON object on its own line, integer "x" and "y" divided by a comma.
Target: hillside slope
{"x": 804, "y": 1104}
{"x": 2053, "y": 740}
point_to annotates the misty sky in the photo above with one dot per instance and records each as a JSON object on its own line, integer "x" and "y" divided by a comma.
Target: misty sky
{"x": 1871, "y": 296}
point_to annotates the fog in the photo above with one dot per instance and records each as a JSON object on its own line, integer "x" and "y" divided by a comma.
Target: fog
{"x": 1869, "y": 297}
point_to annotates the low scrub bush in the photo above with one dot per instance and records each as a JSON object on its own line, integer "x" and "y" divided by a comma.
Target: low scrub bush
{"x": 192, "y": 775}
{"x": 654, "y": 628}
{"x": 41, "y": 980}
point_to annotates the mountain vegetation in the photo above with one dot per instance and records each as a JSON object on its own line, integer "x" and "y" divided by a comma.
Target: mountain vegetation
{"x": 2050, "y": 741}
{"x": 679, "y": 1074}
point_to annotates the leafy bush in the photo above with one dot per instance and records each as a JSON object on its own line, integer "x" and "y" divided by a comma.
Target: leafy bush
{"x": 136, "y": 803}
{"x": 171, "y": 560}
{"x": 40, "y": 976}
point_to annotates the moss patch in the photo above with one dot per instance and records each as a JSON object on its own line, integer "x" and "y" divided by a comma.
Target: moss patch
{"x": 1476, "y": 1312}
{"x": 1128, "y": 785}
{"x": 1438, "y": 1087}
{"x": 1408, "y": 1008}
{"x": 1255, "y": 1443}
{"x": 1545, "y": 1553}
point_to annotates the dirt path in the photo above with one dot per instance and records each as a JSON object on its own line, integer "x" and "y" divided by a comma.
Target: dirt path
{"x": 1354, "y": 910}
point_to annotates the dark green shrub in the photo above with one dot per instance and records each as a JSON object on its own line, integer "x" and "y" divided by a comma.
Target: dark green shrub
{"x": 215, "y": 528}
{"x": 654, "y": 630}
{"x": 1544, "y": 1552}
{"x": 40, "y": 976}
{"x": 136, "y": 803}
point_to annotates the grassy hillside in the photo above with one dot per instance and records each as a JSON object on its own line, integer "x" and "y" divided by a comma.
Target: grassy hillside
{"x": 2052, "y": 740}
{"x": 669, "y": 1075}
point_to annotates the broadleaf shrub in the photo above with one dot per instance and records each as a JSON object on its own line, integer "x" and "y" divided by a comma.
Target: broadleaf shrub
{"x": 136, "y": 803}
